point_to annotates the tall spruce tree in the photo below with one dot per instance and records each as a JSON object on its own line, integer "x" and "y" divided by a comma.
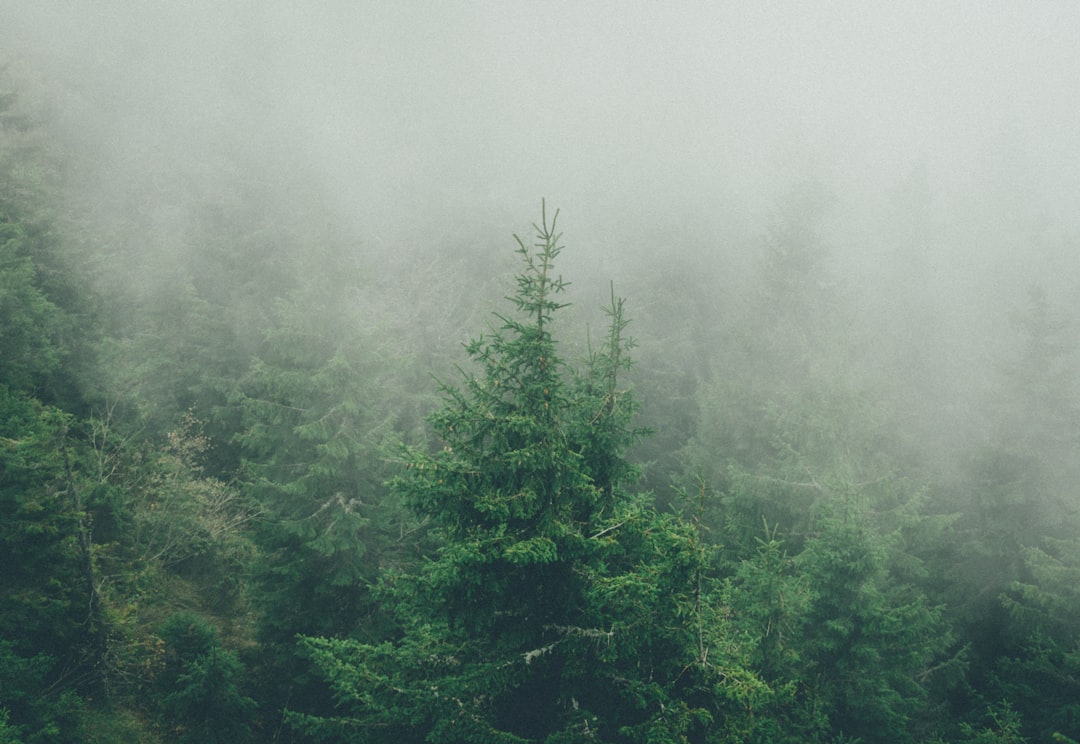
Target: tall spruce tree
{"x": 560, "y": 607}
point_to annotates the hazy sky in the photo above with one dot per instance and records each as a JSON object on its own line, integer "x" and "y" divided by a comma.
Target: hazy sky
{"x": 685, "y": 112}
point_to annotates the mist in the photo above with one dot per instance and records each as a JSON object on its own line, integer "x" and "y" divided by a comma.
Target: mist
{"x": 248, "y": 241}
{"x": 694, "y": 115}
{"x": 940, "y": 137}
{"x": 937, "y": 140}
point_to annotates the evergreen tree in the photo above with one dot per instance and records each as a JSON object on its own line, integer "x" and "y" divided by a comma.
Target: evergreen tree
{"x": 770, "y": 600}
{"x": 50, "y": 622}
{"x": 560, "y": 608}
{"x": 47, "y": 312}
{"x": 200, "y": 690}
{"x": 29, "y": 321}
{"x": 1016, "y": 531}
{"x": 314, "y": 418}
{"x": 1037, "y": 669}
{"x": 870, "y": 639}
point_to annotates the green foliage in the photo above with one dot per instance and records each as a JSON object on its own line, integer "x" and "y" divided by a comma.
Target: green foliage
{"x": 313, "y": 421}
{"x": 770, "y": 601}
{"x": 677, "y": 664}
{"x": 201, "y": 694}
{"x": 8, "y": 733}
{"x": 44, "y": 589}
{"x": 166, "y": 353}
{"x": 29, "y": 322}
{"x": 871, "y": 640}
{"x": 35, "y": 708}
{"x": 1037, "y": 667}
{"x": 834, "y": 594}
{"x": 1004, "y": 728}
{"x": 1016, "y": 558}
{"x": 47, "y": 316}
{"x": 168, "y": 537}
{"x": 109, "y": 724}
{"x": 312, "y": 432}
{"x": 183, "y": 519}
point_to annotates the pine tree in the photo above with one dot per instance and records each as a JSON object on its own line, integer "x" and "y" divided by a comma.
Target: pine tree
{"x": 49, "y": 616}
{"x": 560, "y": 607}
{"x": 310, "y": 436}
{"x": 200, "y": 684}
{"x": 512, "y": 487}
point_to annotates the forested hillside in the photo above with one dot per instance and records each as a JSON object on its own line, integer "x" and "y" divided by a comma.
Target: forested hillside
{"x": 266, "y": 479}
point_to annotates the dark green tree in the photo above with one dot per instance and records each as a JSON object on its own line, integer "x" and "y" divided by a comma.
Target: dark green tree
{"x": 33, "y": 708}
{"x": 316, "y": 408}
{"x": 560, "y": 607}
{"x": 8, "y": 733}
{"x": 50, "y": 619}
{"x": 1037, "y": 668}
{"x": 47, "y": 310}
{"x": 870, "y": 636}
{"x": 1008, "y": 567}
{"x": 29, "y": 321}
{"x": 200, "y": 684}
{"x": 770, "y": 601}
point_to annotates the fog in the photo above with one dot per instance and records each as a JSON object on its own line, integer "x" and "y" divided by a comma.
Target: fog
{"x": 243, "y": 243}
{"x": 939, "y": 138}
{"x": 682, "y": 114}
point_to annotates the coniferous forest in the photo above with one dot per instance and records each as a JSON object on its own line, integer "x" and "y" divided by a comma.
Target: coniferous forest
{"x": 266, "y": 477}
